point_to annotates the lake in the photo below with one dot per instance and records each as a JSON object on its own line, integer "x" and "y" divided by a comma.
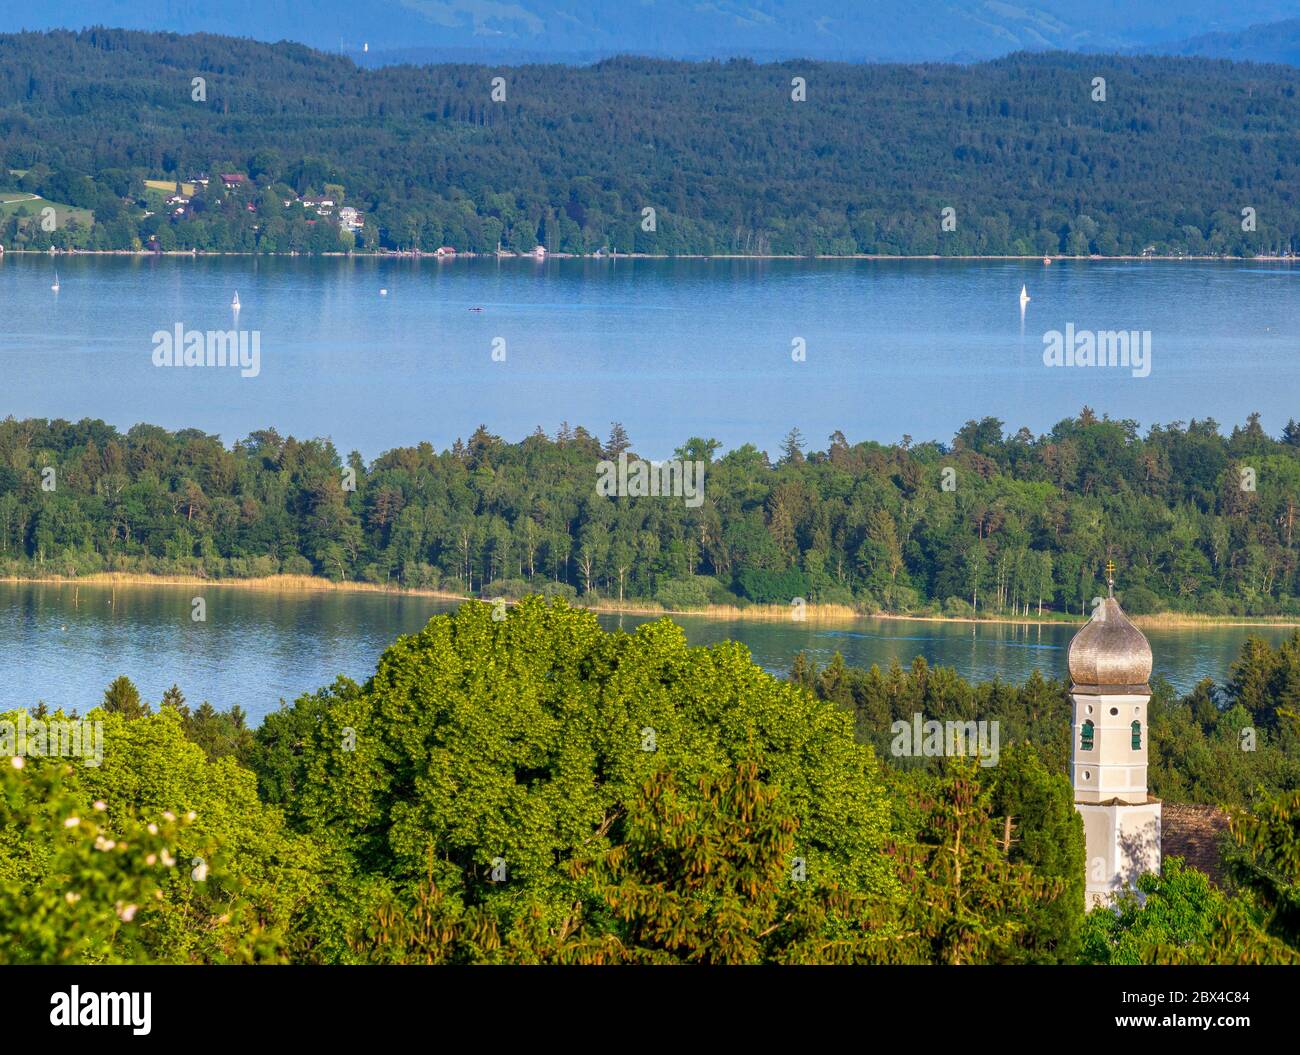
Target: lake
{"x": 63, "y": 644}
{"x": 671, "y": 348}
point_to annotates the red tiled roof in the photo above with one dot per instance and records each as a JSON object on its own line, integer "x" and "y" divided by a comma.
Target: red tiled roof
{"x": 1195, "y": 834}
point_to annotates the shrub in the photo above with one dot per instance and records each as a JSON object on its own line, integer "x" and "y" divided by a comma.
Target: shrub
{"x": 678, "y": 594}
{"x": 834, "y": 595}
{"x": 957, "y": 608}
{"x": 512, "y": 588}
{"x": 1141, "y": 601}
{"x": 772, "y": 587}
{"x": 559, "y": 589}
{"x": 296, "y": 564}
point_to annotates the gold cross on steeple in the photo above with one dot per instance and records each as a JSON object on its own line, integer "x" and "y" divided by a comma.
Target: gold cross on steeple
{"x": 1110, "y": 577}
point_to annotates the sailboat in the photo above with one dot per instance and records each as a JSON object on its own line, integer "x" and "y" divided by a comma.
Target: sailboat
{"x": 55, "y": 287}
{"x": 234, "y": 304}
{"x": 1024, "y": 297}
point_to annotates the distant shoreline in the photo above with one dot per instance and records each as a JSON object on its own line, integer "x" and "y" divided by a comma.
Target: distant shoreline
{"x": 812, "y": 613}
{"x": 412, "y": 255}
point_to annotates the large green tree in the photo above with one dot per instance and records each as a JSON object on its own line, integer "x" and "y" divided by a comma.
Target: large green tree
{"x": 499, "y": 748}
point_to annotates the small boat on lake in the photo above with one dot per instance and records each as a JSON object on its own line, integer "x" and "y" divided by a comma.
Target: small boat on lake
{"x": 1024, "y": 297}
{"x": 234, "y": 304}
{"x": 55, "y": 287}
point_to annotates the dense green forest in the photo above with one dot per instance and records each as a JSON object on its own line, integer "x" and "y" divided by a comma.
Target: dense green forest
{"x": 993, "y": 522}
{"x": 532, "y": 789}
{"x": 569, "y": 159}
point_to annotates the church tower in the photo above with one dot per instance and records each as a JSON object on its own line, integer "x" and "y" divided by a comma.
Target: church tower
{"x": 1110, "y": 662}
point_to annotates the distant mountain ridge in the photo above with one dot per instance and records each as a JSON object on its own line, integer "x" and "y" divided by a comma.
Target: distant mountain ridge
{"x": 1275, "y": 42}
{"x": 584, "y": 30}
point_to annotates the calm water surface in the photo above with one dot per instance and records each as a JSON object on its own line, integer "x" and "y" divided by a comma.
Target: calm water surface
{"x": 672, "y": 349}
{"x": 64, "y": 644}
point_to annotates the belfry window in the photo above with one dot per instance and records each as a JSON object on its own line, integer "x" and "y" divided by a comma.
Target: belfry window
{"x": 1137, "y": 736}
{"x": 1085, "y": 737}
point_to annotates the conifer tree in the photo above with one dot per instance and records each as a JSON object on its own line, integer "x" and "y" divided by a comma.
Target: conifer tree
{"x": 968, "y": 902}
{"x": 122, "y": 697}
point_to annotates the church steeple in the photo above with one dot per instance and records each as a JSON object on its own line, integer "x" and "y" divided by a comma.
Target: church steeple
{"x": 1110, "y": 652}
{"x": 1110, "y": 663}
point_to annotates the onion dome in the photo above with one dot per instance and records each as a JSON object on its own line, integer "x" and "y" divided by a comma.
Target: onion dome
{"x": 1110, "y": 654}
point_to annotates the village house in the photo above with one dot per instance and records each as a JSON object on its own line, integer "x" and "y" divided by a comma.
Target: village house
{"x": 233, "y": 180}
{"x": 350, "y": 218}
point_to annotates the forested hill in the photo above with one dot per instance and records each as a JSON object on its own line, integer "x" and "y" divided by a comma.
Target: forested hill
{"x": 723, "y": 154}
{"x": 1002, "y": 523}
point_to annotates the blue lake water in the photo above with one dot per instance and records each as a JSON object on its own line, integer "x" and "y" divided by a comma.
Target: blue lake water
{"x": 672, "y": 349}
{"x": 63, "y": 643}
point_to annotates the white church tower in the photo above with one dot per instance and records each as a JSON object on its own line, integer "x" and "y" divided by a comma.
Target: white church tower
{"x": 1110, "y": 662}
